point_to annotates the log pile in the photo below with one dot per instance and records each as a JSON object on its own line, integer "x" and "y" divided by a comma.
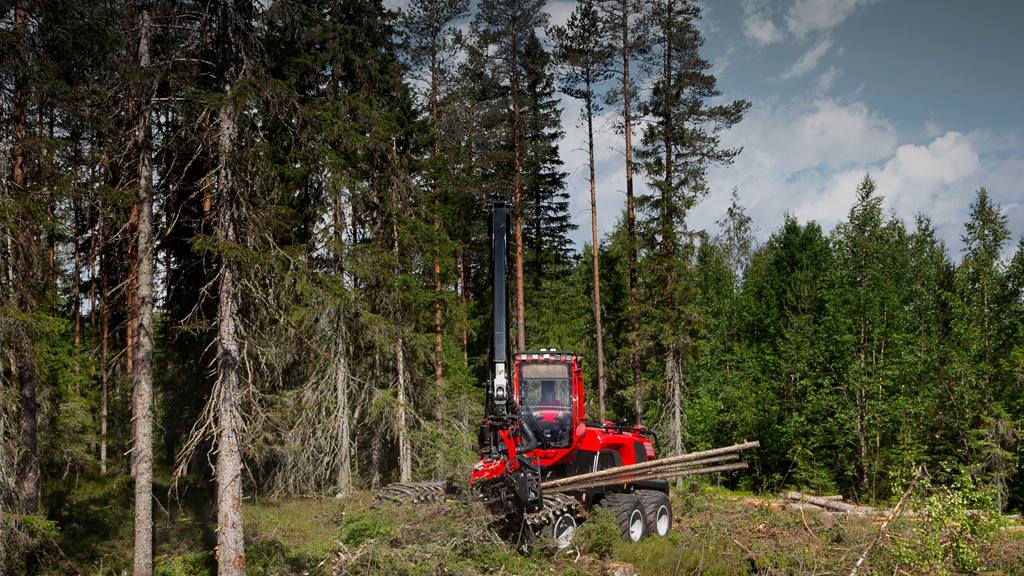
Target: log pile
{"x": 836, "y": 505}
{"x": 704, "y": 462}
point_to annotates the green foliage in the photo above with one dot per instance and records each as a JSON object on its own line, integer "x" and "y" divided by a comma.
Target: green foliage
{"x": 191, "y": 564}
{"x": 600, "y": 534}
{"x": 362, "y": 526}
{"x": 954, "y": 521}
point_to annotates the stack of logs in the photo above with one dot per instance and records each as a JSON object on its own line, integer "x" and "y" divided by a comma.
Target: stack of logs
{"x": 704, "y": 462}
{"x": 835, "y": 505}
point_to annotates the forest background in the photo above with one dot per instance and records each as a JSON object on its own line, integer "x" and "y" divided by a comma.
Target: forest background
{"x": 245, "y": 246}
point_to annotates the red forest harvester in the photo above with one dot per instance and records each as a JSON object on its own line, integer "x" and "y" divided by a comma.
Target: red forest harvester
{"x": 543, "y": 466}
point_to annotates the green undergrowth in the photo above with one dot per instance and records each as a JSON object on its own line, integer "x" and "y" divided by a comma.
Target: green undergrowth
{"x": 715, "y": 532}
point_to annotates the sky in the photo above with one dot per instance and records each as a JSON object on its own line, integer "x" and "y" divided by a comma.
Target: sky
{"x": 925, "y": 95}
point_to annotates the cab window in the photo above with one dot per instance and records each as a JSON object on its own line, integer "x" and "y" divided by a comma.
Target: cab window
{"x": 545, "y": 385}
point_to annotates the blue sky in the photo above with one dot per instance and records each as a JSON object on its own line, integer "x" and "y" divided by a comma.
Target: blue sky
{"x": 926, "y": 95}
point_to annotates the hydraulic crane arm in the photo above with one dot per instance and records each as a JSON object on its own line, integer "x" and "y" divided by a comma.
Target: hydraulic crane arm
{"x": 499, "y": 393}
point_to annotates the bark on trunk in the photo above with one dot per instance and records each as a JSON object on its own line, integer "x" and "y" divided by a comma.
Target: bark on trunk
{"x": 341, "y": 380}
{"x": 28, "y": 464}
{"x": 230, "y": 545}
{"x": 438, "y": 288}
{"x": 601, "y": 382}
{"x": 634, "y": 313}
{"x": 76, "y": 284}
{"x": 517, "y": 203}
{"x": 343, "y": 426}
{"x": 142, "y": 375}
{"x": 104, "y": 348}
{"x": 404, "y": 446}
{"x": 464, "y": 297}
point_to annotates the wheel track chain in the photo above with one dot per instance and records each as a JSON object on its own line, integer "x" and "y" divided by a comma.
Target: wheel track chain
{"x": 410, "y": 493}
{"x": 554, "y": 505}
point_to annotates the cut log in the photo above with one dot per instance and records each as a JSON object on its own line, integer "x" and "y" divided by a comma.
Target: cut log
{"x": 664, "y": 462}
{"x": 653, "y": 475}
{"x": 633, "y": 475}
{"x": 834, "y": 505}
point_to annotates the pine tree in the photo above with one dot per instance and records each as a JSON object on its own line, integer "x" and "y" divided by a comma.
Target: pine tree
{"x": 584, "y": 57}
{"x": 681, "y": 141}
{"x": 621, "y": 17}
{"x": 502, "y": 29}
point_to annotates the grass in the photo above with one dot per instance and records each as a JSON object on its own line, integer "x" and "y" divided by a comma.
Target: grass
{"x": 715, "y": 532}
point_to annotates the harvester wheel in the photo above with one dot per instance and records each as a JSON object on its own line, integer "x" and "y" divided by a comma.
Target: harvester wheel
{"x": 413, "y": 493}
{"x": 556, "y": 519}
{"x": 564, "y": 530}
{"x": 629, "y": 511}
{"x": 658, "y": 510}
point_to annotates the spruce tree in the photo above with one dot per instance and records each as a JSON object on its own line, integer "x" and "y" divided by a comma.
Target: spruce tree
{"x": 546, "y": 221}
{"x": 432, "y": 44}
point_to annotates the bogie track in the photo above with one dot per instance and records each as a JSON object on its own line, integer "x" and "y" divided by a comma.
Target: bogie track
{"x": 414, "y": 493}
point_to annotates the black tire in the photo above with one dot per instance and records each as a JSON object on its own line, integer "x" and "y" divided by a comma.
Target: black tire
{"x": 658, "y": 510}
{"x": 629, "y": 512}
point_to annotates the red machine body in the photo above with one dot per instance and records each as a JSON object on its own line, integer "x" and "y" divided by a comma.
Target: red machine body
{"x": 547, "y": 386}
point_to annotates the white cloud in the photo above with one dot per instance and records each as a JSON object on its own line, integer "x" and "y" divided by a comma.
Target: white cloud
{"x": 806, "y": 16}
{"x": 934, "y": 178}
{"x": 788, "y": 151}
{"x": 809, "y": 60}
{"x": 758, "y": 25}
{"x": 821, "y": 134}
{"x": 828, "y": 78}
{"x": 801, "y": 17}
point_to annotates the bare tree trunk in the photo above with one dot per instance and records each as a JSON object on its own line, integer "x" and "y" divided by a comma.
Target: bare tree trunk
{"x": 341, "y": 380}
{"x": 438, "y": 288}
{"x": 142, "y": 376}
{"x": 404, "y": 446}
{"x": 343, "y": 477}
{"x": 76, "y": 285}
{"x": 375, "y": 448}
{"x": 464, "y": 296}
{"x": 676, "y": 427}
{"x": 634, "y": 313}
{"x": 28, "y": 463}
{"x": 230, "y": 544}
{"x": 602, "y": 384}
{"x": 92, "y": 287}
{"x": 104, "y": 348}
{"x": 517, "y": 203}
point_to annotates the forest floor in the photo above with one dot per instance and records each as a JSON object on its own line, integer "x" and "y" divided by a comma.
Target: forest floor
{"x": 715, "y": 532}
